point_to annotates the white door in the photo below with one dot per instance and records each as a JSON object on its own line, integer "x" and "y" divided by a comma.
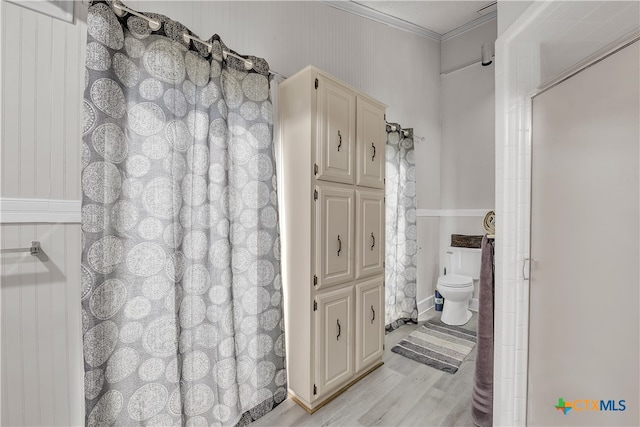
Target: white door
{"x": 370, "y": 235}
{"x": 336, "y": 106}
{"x": 369, "y": 318}
{"x": 334, "y": 234}
{"x": 371, "y": 138}
{"x": 584, "y": 323}
{"x": 334, "y": 325}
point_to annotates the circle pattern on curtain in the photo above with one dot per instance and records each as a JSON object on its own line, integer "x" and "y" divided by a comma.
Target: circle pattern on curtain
{"x": 181, "y": 286}
{"x": 401, "y": 229}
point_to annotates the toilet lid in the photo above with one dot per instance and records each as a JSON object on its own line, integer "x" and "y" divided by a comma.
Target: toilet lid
{"x": 455, "y": 281}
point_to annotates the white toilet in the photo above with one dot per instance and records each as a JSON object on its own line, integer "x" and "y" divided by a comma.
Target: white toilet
{"x": 457, "y": 286}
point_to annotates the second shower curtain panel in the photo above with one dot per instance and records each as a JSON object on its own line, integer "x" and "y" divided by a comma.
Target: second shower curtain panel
{"x": 401, "y": 231}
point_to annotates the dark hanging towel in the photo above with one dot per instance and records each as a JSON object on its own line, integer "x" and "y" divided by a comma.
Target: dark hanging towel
{"x": 482, "y": 410}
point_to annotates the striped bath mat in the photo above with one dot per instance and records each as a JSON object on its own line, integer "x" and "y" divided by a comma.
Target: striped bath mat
{"x": 438, "y": 345}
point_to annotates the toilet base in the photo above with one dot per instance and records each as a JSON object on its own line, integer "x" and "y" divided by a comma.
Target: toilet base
{"x": 455, "y": 313}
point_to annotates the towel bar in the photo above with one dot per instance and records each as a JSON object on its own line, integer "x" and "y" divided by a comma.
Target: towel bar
{"x": 34, "y": 249}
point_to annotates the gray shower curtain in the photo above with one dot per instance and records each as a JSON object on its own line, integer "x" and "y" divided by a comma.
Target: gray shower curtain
{"x": 401, "y": 231}
{"x": 181, "y": 287}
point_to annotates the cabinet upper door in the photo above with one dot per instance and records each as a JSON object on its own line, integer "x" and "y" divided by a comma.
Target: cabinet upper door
{"x": 371, "y": 140}
{"x": 370, "y": 235}
{"x": 369, "y": 322}
{"x": 334, "y": 234}
{"x": 336, "y": 129}
{"x": 334, "y": 326}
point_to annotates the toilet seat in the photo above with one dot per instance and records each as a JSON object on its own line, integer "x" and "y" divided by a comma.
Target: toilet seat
{"x": 455, "y": 281}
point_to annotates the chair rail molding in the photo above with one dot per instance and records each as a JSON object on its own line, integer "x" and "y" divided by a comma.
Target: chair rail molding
{"x": 451, "y": 212}
{"x": 42, "y": 211}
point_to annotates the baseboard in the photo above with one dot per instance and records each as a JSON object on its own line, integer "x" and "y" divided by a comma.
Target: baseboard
{"x": 313, "y": 408}
{"x": 424, "y": 306}
{"x": 427, "y": 304}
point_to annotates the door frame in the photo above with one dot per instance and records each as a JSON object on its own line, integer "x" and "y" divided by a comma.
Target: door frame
{"x": 519, "y": 78}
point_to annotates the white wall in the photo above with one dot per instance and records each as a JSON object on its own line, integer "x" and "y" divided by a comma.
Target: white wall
{"x": 42, "y": 83}
{"x": 467, "y": 159}
{"x": 42, "y": 365}
{"x": 464, "y": 48}
{"x": 43, "y": 65}
{"x": 509, "y": 11}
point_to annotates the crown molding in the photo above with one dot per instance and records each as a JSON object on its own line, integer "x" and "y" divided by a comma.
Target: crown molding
{"x": 374, "y": 15}
{"x": 469, "y": 26}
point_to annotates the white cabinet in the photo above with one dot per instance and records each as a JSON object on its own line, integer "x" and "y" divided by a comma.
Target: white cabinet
{"x": 332, "y": 226}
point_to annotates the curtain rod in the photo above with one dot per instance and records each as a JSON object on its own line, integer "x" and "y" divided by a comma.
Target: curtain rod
{"x": 154, "y": 24}
{"x": 407, "y": 133}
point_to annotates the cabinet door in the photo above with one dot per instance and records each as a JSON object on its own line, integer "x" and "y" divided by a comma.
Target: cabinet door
{"x": 369, "y": 322}
{"x": 334, "y": 326}
{"x": 336, "y": 131}
{"x": 370, "y": 236}
{"x": 371, "y": 140}
{"x": 334, "y": 234}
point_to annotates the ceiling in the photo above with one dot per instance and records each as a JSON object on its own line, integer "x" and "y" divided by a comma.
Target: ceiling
{"x": 439, "y": 17}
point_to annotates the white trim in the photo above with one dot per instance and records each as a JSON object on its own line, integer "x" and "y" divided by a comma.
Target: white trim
{"x": 469, "y": 26}
{"x": 374, "y": 15}
{"x": 452, "y": 212}
{"x": 428, "y": 304}
{"x": 513, "y": 105}
{"x": 593, "y": 59}
{"x": 59, "y": 9}
{"x": 39, "y": 211}
{"x": 424, "y": 306}
{"x": 401, "y": 24}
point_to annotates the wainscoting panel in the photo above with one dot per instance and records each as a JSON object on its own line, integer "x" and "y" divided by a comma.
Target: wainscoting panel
{"x": 42, "y": 70}
{"x": 42, "y": 89}
{"x": 42, "y": 367}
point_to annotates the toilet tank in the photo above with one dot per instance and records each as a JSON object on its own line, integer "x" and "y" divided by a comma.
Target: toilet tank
{"x": 464, "y": 261}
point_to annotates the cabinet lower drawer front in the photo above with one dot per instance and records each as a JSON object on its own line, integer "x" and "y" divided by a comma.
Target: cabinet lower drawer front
{"x": 369, "y": 322}
{"x": 334, "y": 326}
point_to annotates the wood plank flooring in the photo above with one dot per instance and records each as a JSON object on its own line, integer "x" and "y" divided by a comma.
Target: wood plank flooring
{"x": 399, "y": 393}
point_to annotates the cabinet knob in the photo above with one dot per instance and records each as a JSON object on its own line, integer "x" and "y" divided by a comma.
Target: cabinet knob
{"x": 374, "y": 151}
{"x": 339, "y": 245}
{"x": 339, "y": 329}
{"x": 339, "y": 140}
{"x": 373, "y": 315}
{"x": 373, "y": 241}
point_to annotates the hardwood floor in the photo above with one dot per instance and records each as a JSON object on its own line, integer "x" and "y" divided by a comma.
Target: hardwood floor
{"x": 399, "y": 393}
